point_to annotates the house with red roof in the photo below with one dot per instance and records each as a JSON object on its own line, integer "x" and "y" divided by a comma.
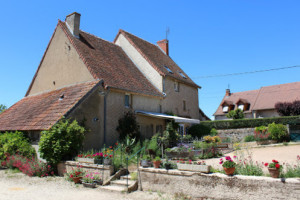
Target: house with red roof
{"x": 94, "y": 81}
{"x": 258, "y": 103}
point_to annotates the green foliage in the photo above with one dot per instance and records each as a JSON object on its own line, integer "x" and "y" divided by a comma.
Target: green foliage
{"x": 278, "y": 132}
{"x": 62, "y": 141}
{"x": 153, "y": 144}
{"x": 249, "y": 138}
{"x": 235, "y": 114}
{"x": 170, "y": 135}
{"x": 15, "y": 143}
{"x": 248, "y": 123}
{"x": 249, "y": 169}
{"x": 2, "y": 108}
{"x": 127, "y": 125}
{"x": 199, "y": 130}
{"x": 213, "y": 132}
{"x": 292, "y": 172}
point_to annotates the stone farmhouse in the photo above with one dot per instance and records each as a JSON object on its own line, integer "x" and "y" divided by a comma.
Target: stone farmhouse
{"x": 258, "y": 103}
{"x": 86, "y": 78}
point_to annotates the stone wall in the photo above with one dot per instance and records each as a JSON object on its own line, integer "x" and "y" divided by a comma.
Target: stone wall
{"x": 218, "y": 186}
{"x": 106, "y": 170}
{"x": 236, "y": 135}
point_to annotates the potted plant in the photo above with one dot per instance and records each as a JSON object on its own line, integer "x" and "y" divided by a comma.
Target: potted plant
{"x": 228, "y": 165}
{"x": 75, "y": 174}
{"x": 274, "y": 168}
{"x": 197, "y": 166}
{"x": 145, "y": 162}
{"x": 98, "y": 158}
{"x": 156, "y": 162}
{"x": 85, "y": 158}
{"x": 89, "y": 180}
{"x": 167, "y": 164}
{"x": 107, "y": 159}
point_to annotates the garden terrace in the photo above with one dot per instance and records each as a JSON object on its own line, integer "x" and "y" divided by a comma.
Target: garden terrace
{"x": 218, "y": 185}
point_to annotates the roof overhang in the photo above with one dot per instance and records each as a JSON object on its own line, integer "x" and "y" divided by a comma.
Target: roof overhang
{"x": 165, "y": 116}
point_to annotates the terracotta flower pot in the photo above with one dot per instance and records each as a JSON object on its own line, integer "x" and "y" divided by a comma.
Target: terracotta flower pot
{"x": 229, "y": 171}
{"x": 77, "y": 179}
{"x": 156, "y": 164}
{"x": 274, "y": 172}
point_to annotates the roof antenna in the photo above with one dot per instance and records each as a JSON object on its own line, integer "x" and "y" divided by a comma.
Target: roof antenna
{"x": 228, "y": 86}
{"x": 167, "y": 32}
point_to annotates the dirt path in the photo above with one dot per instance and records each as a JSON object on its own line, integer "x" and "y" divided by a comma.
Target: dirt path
{"x": 284, "y": 154}
{"x": 18, "y": 186}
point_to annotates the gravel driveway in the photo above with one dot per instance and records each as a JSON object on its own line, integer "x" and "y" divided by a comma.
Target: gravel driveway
{"x": 18, "y": 186}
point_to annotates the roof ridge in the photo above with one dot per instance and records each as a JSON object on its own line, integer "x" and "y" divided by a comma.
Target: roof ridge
{"x": 98, "y": 37}
{"x": 138, "y": 37}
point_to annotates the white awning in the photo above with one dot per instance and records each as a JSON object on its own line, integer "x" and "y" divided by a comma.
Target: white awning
{"x": 165, "y": 116}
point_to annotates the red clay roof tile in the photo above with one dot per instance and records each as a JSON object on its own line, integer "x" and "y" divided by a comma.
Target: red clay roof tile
{"x": 41, "y": 111}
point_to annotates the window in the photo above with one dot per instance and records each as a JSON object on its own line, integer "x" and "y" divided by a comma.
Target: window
{"x": 169, "y": 70}
{"x": 225, "y": 108}
{"x": 127, "y": 100}
{"x": 184, "y": 105}
{"x": 241, "y": 106}
{"x": 176, "y": 86}
{"x": 181, "y": 74}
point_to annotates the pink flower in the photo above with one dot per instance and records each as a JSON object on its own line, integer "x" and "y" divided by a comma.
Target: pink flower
{"x": 221, "y": 162}
{"x": 234, "y": 156}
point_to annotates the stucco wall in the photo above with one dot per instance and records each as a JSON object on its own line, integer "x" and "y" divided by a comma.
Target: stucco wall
{"x": 266, "y": 113}
{"x": 174, "y": 100}
{"x": 61, "y": 64}
{"x": 146, "y": 103}
{"x": 149, "y": 72}
{"x": 88, "y": 112}
{"x": 236, "y": 134}
{"x": 218, "y": 186}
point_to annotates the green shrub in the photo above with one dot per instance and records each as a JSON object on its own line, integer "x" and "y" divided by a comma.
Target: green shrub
{"x": 62, "y": 141}
{"x": 128, "y": 126}
{"x": 15, "y": 143}
{"x": 235, "y": 114}
{"x": 199, "y": 130}
{"x": 249, "y": 138}
{"x": 278, "y": 132}
{"x": 248, "y": 123}
{"x": 249, "y": 169}
{"x": 213, "y": 132}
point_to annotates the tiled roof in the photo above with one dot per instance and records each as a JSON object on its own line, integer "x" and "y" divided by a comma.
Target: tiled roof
{"x": 270, "y": 95}
{"x": 41, "y": 111}
{"x": 266, "y": 97}
{"x": 235, "y": 97}
{"x": 157, "y": 58}
{"x": 106, "y": 60}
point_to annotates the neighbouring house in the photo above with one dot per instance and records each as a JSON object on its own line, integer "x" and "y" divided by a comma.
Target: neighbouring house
{"x": 258, "y": 103}
{"x": 86, "y": 78}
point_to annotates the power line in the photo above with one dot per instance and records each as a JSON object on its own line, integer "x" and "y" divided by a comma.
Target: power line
{"x": 242, "y": 73}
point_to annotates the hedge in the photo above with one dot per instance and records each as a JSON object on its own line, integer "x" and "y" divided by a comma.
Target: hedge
{"x": 250, "y": 123}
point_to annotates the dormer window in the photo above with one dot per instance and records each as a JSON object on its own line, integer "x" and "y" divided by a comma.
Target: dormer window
{"x": 169, "y": 70}
{"x": 225, "y": 108}
{"x": 181, "y": 74}
{"x": 241, "y": 107}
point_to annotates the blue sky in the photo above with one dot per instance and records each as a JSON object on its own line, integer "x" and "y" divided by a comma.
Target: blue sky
{"x": 206, "y": 38}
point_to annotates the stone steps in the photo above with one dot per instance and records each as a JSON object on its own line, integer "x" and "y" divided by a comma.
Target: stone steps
{"x": 120, "y": 185}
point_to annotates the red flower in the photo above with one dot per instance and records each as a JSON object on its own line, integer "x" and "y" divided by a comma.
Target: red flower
{"x": 110, "y": 156}
{"x": 266, "y": 164}
{"x": 277, "y": 166}
{"x": 275, "y": 161}
{"x": 71, "y": 176}
{"x": 110, "y": 147}
{"x": 116, "y": 144}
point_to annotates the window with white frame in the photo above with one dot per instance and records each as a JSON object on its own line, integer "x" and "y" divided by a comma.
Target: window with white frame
{"x": 225, "y": 108}
{"x": 241, "y": 107}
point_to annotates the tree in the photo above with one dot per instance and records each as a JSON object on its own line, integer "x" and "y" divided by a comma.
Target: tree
{"x": 128, "y": 126}
{"x": 288, "y": 108}
{"x": 2, "y": 108}
{"x": 235, "y": 114}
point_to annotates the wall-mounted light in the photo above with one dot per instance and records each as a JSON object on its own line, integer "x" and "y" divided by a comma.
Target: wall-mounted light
{"x": 95, "y": 119}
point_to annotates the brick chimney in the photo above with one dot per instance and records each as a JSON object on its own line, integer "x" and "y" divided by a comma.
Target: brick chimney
{"x": 227, "y": 92}
{"x": 73, "y": 23}
{"x": 164, "y": 45}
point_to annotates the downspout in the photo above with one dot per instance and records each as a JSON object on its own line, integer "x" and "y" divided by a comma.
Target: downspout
{"x": 104, "y": 117}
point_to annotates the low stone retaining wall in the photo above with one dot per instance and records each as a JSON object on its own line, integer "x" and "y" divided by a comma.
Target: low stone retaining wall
{"x": 218, "y": 186}
{"x": 107, "y": 170}
{"x": 236, "y": 135}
